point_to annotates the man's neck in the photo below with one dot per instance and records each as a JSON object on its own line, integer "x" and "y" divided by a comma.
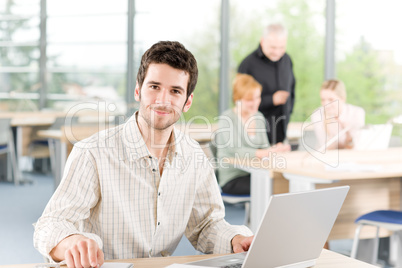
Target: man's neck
{"x": 157, "y": 141}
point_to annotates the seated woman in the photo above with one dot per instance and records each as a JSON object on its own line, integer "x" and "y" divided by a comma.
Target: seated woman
{"x": 336, "y": 122}
{"x": 242, "y": 134}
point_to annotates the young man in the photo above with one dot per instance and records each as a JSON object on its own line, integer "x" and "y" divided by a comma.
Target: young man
{"x": 134, "y": 190}
{"x": 273, "y": 69}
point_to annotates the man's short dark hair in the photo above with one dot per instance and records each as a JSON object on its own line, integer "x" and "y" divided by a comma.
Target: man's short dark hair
{"x": 173, "y": 54}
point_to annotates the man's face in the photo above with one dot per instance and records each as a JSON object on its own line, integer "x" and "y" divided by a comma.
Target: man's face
{"x": 163, "y": 96}
{"x": 274, "y": 46}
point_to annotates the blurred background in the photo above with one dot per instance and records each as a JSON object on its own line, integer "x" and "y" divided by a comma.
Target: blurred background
{"x": 55, "y": 55}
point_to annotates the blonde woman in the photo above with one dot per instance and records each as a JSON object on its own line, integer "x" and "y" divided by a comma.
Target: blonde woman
{"x": 336, "y": 122}
{"x": 242, "y": 134}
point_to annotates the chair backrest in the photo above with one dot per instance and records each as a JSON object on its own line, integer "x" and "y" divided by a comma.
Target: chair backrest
{"x": 4, "y": 130}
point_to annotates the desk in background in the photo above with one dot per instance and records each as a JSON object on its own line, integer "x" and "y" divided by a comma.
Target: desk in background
{"x": 374, "y": 178}
{"x": 381, "y": 187}
{"x": 61, "y": 143}
{"x": 27, "y": 124}
{"x": 327, "y": 259}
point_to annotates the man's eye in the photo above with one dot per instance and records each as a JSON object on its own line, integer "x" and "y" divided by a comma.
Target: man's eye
{"x": 154, "y": 87}
{"x": 175, "y": 91}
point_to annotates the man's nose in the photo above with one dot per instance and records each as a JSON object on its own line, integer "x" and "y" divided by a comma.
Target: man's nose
{"x": 163, "y": 96}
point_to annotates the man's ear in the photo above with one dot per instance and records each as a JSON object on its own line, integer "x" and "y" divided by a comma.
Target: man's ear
{"x": 137, "y": 93}
{"x": 188, "y": 103}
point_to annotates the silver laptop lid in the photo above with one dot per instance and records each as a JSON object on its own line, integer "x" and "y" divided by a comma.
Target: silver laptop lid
{"x": 295, "y": 228}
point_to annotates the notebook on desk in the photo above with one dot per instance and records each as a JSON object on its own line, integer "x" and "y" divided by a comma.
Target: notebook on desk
{"x": 292, "y": 232}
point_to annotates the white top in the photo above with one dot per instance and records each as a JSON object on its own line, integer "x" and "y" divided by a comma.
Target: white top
{"x": 331, "y": 132}
{"x": 112, "y": 192}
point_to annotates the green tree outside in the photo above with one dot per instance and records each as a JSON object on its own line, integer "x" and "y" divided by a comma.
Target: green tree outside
{"x": 361, "y": 73}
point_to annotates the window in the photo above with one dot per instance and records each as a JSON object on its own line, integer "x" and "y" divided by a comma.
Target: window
{"x": 86, "y": 52}
{"x": 196, "y": 25}
{"x": 305, "y": 22}
{"x": 19, "y": 54}
{"x": 369, "y": 56}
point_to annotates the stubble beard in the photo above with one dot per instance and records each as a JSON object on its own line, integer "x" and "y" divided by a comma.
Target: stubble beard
{"x": 151, "y": 122}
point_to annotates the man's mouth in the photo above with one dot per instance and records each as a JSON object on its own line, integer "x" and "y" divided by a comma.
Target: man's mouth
{"x": 161, "y": 110}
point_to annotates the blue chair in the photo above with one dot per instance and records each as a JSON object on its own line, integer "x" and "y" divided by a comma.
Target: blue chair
{"x": 7, "y": 147}
{"x": 239, "y": 199}
{"x": 388, "y": 219}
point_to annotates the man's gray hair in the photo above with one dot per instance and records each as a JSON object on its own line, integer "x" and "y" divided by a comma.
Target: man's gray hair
{"x": 275, "y": 28}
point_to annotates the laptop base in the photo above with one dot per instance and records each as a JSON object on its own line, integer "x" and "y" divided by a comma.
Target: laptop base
{"x": 303, "y": 264}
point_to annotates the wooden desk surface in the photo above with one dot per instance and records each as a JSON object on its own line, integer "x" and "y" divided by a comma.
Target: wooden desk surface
{"x": 347, "y": 164}
{"x": 46, "y": 118}
{"x": 373, "y": 177}
{"x": 328, "y": 259}
{"x": 369, "y": 190}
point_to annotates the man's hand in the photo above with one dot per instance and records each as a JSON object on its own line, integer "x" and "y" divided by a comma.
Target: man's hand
{"x": 280, "y": 97}
{"x": 78, "y": 251}
{"x": 241, "y": 243}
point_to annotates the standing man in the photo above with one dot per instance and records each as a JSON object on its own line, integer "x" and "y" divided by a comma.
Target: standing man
{"x": 133, "y": 191}
{"x": 273, "y": 69}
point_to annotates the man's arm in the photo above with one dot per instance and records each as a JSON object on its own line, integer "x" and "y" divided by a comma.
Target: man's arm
{"x": 207, "y": 229}
{"x": 69, "y": 207}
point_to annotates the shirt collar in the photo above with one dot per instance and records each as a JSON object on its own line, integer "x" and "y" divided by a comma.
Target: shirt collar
{"x": 134, "y": 144}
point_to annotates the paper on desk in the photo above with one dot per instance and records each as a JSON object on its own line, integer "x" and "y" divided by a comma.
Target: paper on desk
{"x": 117, "y": 265}
{"x": 178, "y": 265}
{"x": 354, "y": 167}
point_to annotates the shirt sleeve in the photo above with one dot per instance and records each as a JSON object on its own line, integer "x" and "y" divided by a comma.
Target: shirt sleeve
{"x": 207, "y": 229}
{"x": 70, "y": 205}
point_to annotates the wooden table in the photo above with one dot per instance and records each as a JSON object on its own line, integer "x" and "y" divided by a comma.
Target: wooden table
{"x": 27, "y": 124}
{"x": 61, "y": 142}
{"x": 364, "y": 169}
{"x": 374, "y": 177}
{"x": 327, "y": 259}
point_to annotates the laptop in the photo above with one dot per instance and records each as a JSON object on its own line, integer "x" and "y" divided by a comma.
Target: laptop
{"x": 373, "y": 137}
{"x": 292, "y": 232}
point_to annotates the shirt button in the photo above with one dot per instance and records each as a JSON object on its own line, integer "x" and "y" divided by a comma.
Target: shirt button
{"x": 150, "y": 157}
{"x": 159, "y": 194}
{"x": 159, "y": 223}
{"x": 153, "y": 170}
